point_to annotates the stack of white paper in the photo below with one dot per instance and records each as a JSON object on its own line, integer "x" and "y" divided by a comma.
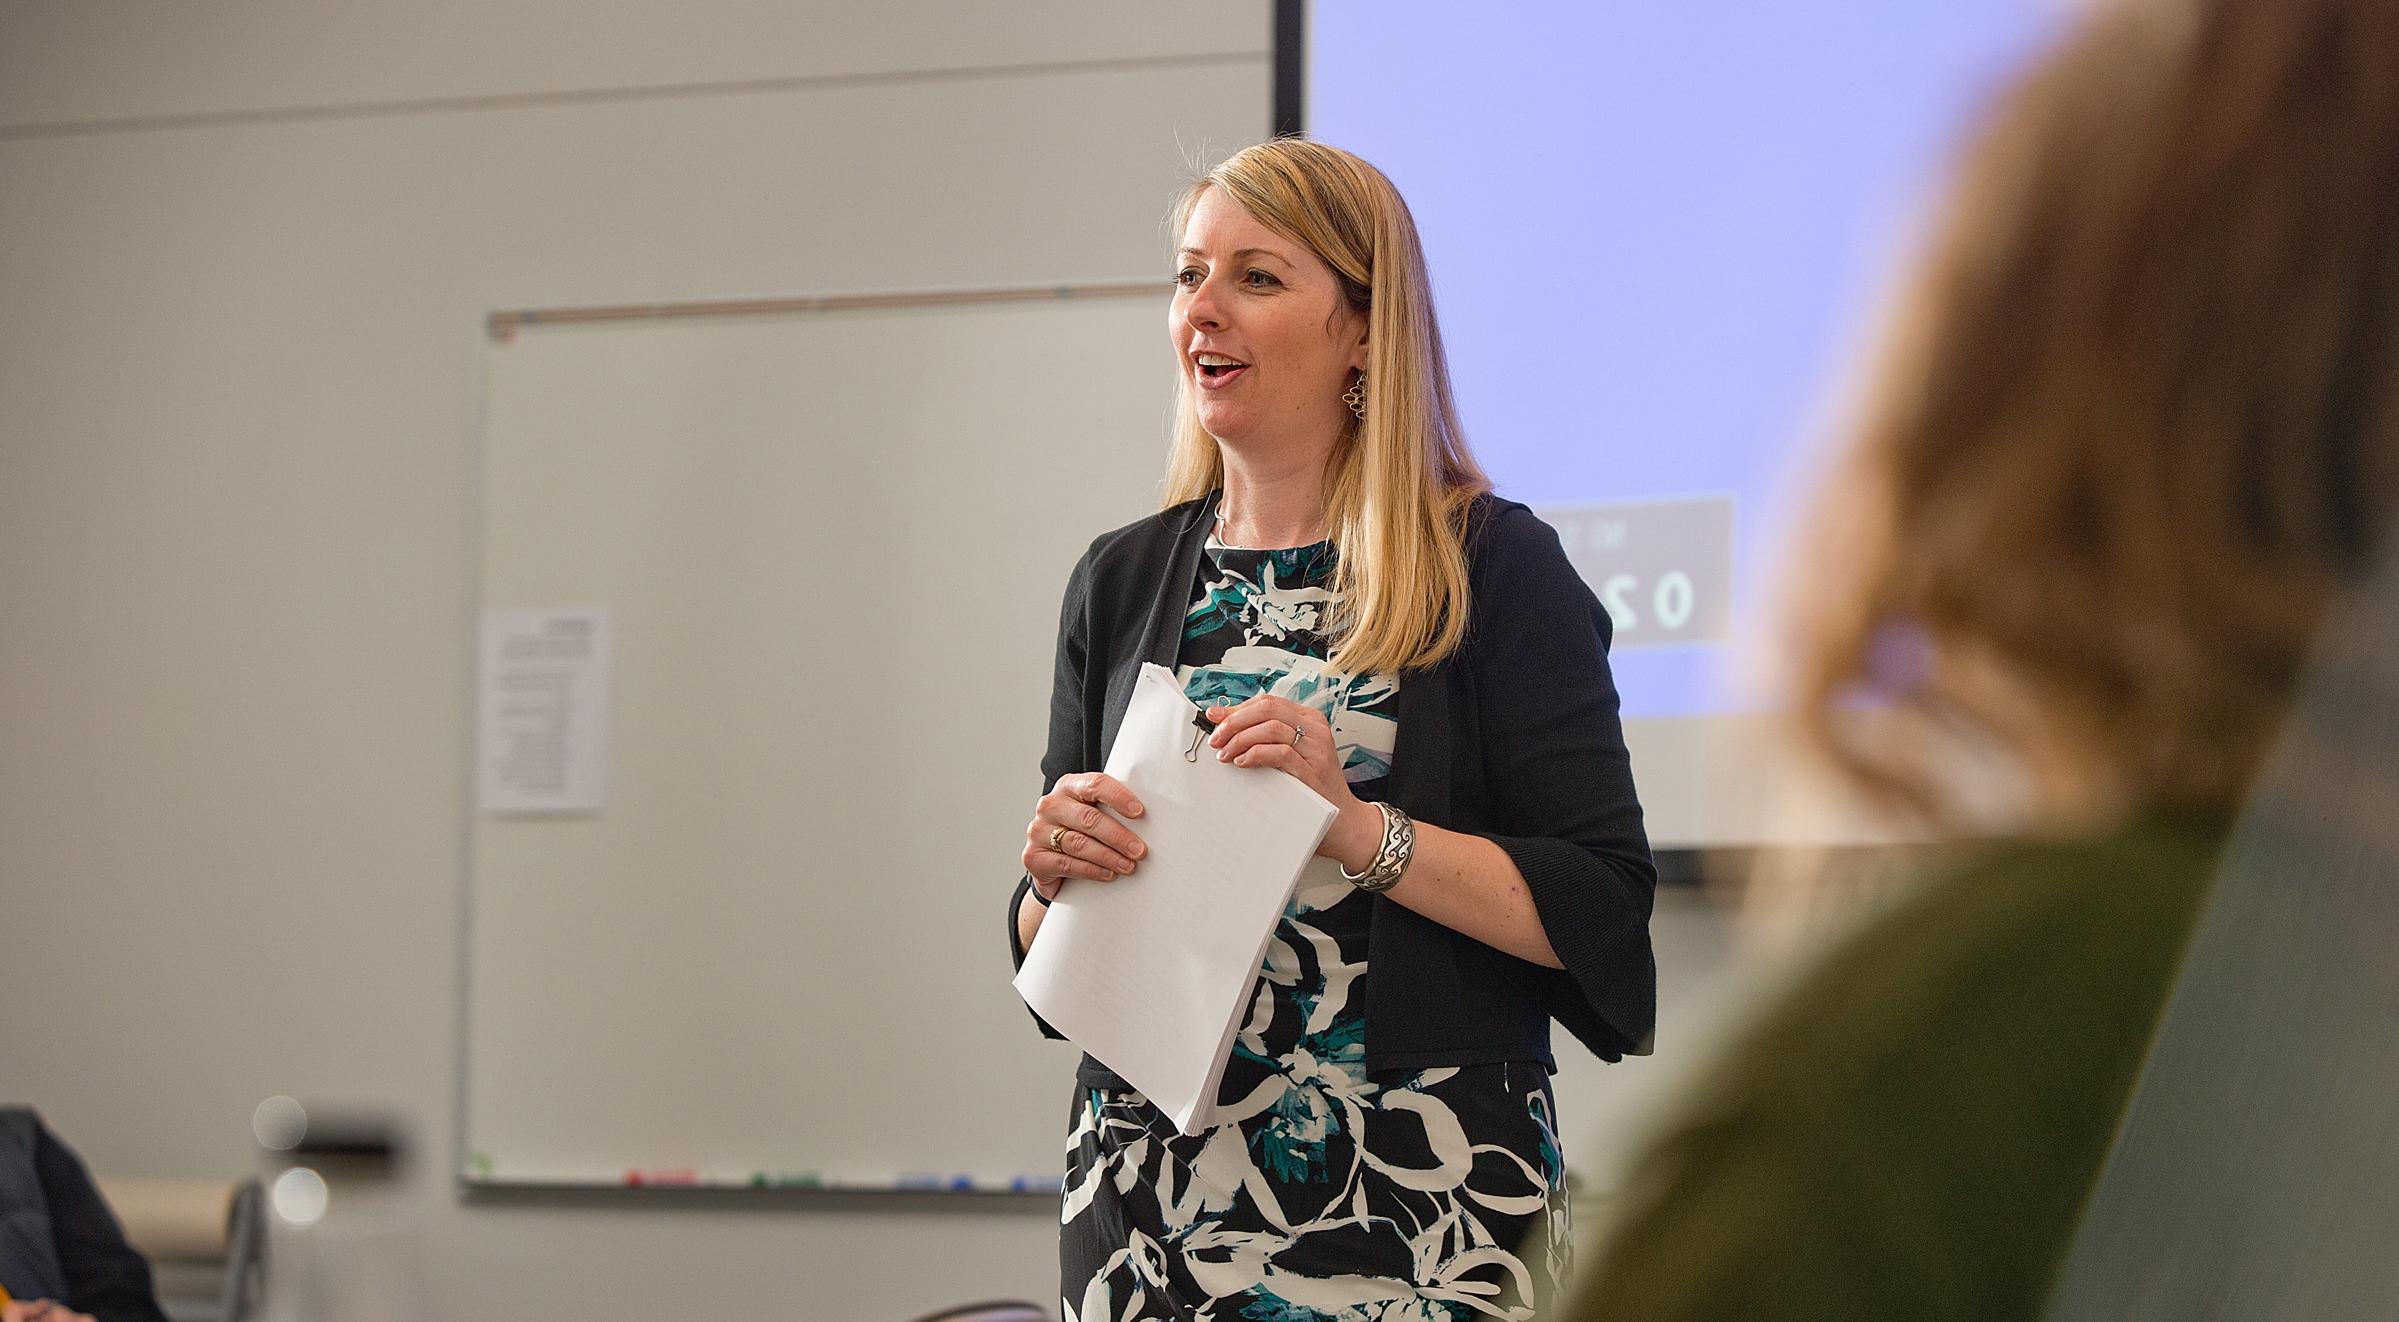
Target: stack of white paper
{"x": 1152, "y": 973}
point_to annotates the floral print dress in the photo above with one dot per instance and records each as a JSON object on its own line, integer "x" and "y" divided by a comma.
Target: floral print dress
{"x": 1323, "y": 1194}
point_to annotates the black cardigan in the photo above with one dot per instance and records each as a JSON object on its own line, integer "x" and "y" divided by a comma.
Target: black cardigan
{"x": 58, "y": 1240}
{"x": 1514, "y": 737}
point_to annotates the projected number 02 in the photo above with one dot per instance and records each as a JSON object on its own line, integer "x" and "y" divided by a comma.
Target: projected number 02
{"x": 1662, "y": 568}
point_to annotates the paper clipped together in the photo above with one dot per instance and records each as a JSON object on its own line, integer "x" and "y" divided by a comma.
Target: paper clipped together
{"x": 1152, "y": 973}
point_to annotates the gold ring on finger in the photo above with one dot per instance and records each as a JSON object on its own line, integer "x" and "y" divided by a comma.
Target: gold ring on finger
{"x": 1057, "y": 839}
{"x": 1296, "y": 733}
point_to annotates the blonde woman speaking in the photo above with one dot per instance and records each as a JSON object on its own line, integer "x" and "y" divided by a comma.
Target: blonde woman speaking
{"x": 1334, "y": 583}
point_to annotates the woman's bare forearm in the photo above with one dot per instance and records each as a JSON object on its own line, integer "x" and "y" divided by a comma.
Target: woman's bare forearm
{"x": 1470, "y": 885}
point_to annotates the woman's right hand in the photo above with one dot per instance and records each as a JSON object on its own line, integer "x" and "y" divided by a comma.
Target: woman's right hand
{"x": 1070, "y": 837}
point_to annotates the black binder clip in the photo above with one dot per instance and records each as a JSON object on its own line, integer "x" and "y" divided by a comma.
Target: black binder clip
{"x": 1201, "y": 728}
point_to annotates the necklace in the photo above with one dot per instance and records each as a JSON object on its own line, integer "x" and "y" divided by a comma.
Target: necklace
{"x": 1224, "y": 537}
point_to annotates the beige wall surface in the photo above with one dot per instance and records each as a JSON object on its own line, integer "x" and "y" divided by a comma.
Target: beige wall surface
{"x": 244, "y": 252}
{"x": 83, "y": 62}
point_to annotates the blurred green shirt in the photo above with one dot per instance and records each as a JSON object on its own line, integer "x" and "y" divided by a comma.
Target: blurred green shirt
{"x": 1912, "y": 1133}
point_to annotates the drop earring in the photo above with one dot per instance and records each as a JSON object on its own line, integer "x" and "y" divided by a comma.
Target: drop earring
{"x": 1355, "y": 397}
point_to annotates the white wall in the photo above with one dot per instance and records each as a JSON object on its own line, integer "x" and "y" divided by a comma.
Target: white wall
{"x": 244, "y": 250}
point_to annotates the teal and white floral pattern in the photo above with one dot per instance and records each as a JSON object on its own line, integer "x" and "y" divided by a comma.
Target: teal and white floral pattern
{"x": 1324, "y": 1194}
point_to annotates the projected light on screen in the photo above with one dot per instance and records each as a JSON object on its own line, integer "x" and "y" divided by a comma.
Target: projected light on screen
{"x": 1654, "y": 231}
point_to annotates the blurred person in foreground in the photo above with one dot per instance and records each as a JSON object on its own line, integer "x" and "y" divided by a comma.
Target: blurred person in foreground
{"x": 63, "y": 1257}
{"x": 2135, "y": 434}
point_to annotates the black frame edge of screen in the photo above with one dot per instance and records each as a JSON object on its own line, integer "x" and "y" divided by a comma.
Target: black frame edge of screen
{"x": 1676, "y": 867}
{"x": 1290, "y": 68}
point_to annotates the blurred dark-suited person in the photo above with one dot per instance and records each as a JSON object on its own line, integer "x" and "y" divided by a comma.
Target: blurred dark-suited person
{"x": 2135, "y": 432}
{"x": 1335, "y": 585}
{"x": 63, "y": 1257}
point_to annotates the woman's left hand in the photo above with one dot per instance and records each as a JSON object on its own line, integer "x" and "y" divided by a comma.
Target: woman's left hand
{"x": 1277, "y": 733}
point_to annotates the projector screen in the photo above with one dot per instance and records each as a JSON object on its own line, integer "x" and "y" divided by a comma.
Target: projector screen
{"x": 1655, "y": 232}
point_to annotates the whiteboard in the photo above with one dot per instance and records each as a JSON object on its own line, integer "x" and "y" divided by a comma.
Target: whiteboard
{"x": 829, "y": 550}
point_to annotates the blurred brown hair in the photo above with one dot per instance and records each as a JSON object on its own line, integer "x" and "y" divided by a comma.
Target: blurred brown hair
{"x": 2138, "y": 420}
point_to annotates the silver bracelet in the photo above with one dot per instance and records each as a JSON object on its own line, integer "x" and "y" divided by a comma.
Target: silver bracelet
{"x": 1391, "y": 859}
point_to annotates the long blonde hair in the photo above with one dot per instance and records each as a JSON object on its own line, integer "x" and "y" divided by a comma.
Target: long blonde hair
{"x": 2138, "y": 426}
{"x": 1401, "y": 481}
